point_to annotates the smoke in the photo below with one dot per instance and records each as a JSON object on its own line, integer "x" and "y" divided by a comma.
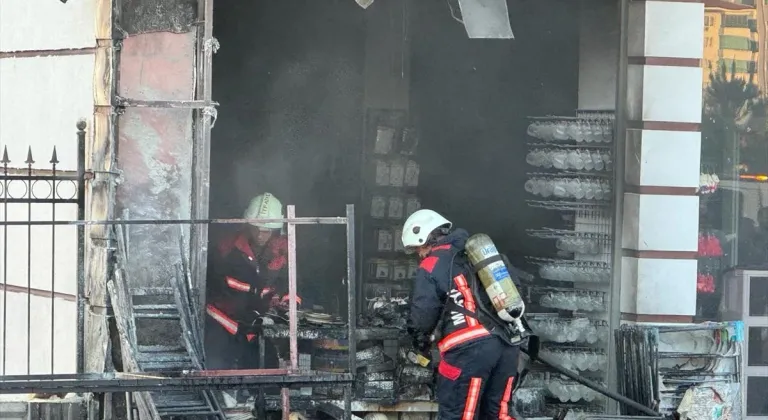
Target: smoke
{"x": 305, "y": 118}
{"x": 291, "y": 89}
{"x": 287, "y": 139}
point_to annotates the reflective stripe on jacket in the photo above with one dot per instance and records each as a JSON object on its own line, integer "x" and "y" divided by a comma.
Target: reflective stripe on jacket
{"x": 243, "y": 283}
{"x": 442, "y": 277}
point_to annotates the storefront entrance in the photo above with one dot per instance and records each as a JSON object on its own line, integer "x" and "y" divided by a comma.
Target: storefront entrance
{"x": 394, "y": 108}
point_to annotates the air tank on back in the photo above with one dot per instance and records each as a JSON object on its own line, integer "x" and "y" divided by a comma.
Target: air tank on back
{"x": 495, "y": 277}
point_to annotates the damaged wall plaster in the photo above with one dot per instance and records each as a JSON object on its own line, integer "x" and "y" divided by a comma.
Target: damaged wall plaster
{"x": 144, "y": 16}
{"x": 155, "y": 152}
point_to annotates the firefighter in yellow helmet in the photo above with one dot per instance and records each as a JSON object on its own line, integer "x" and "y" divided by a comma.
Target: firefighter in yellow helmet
{"x": 248, "y": 278}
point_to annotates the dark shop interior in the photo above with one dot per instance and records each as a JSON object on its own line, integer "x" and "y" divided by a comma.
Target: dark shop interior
{"x": 307, "y": 94}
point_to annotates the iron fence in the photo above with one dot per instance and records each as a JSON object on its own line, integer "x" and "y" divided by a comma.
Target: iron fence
{"x": 142, "y": 372}
{"x": 25, "y": 189}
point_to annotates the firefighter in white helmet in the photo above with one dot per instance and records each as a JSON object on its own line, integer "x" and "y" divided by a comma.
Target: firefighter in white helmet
{"x": 248, "y": 279}
{"x": 478, "y": 365}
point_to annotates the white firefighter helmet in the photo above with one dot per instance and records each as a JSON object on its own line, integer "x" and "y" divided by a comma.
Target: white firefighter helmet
{"x": 265, "y": 206}
{"x": 420, "y": 224}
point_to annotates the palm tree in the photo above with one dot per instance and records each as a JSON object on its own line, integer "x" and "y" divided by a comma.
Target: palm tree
{"x": 734, "y": 111}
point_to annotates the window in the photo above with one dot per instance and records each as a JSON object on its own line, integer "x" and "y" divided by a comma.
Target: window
{"x": 741, "y": 43}
{"x": 757, "y": 351}
{"x": 758, "y": 296}
{"x": 739, "y": 66}
{"x": 757, "y": 404}
{"x": 733, "y": 194}
{"x": 736, "y": 21}
{"x": 709, "y": 20}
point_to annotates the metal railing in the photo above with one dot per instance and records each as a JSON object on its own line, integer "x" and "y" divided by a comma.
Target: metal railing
{"x": 136, "y": 380}
{"x": 26, "y": 189}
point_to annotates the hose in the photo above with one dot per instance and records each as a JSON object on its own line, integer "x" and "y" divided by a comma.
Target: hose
{"x": 531, "y": 340}
{"x": 592, "y": 385}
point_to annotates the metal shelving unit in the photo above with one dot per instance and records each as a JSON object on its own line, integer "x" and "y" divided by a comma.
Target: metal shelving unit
{"x": 390, "y": 174}
{"x": 571, "y": 160}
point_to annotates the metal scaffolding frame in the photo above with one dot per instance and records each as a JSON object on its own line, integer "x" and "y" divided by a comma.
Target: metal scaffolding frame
{"x": 218, "y": 379}
{"x": 177, "y": 381}
{"x": 111, "y": 382}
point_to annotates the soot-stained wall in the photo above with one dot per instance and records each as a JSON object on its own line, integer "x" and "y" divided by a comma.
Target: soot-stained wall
{"x": 289, "y": 78}
{"x": 155, "y": 153}
{"x": 471, "y": 98}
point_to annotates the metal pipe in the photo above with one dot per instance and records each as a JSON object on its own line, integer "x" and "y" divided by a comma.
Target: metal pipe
{"x": 292, "y": 313}
{"x": 41, "y": 200}
{"x": 369, "y": 121}
{"x": 5, "y": 259}
{"x": 54, "y": 160}
{"x": 38, "y": 292}
{"x": 351, "y": 289}
{"x": 292, "y": 310}
{"x": 296, "y": 221}
{"x": 351, "y": 308}
{"x": 174, "y": 104}
{"x": 261, "y": 401}
{"x": 80, "y": 351}
{"x": 348, "y": 402}
{"x": 24, "y": 177}
{"x": 620, "y": 140}
{"x": 128, "y": 406}
{"x": 696, "y": 327}
{"x": 202, "y": 156}
{"x": 29, "y": 163}
{"x": 164, "y": 381}
{"x": 286, "y": 403}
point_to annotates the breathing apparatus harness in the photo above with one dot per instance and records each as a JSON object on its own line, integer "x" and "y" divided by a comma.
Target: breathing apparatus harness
{"x": 529, "y": 343}
{"x": 496, "y": 326}
{"x": 510, "y": 333}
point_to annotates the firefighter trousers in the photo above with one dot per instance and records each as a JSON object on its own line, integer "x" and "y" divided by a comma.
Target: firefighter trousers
{"x": 225, "y": 351}
{"x": 475, "y": 381}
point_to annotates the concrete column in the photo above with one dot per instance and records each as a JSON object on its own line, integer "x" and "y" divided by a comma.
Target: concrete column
{"x": 661, "y": 216}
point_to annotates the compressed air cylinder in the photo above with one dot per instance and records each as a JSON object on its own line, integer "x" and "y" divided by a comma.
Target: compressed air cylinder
{"x": 495, "y": 277}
